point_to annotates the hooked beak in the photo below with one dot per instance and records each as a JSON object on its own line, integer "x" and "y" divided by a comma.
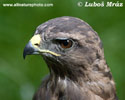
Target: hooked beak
{"x": 29, "y": 49}
{"x": 33, "y": 47}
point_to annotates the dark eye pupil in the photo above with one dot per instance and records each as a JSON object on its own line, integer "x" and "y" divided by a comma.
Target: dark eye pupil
{"x": 65, "y": 42}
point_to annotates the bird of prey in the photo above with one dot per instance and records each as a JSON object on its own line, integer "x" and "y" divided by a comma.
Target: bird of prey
{"x": 74, "y": 54}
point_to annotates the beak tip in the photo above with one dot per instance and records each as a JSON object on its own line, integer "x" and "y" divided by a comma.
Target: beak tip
{"x": 24, "y": 55}
{"x": 28, "y": 50}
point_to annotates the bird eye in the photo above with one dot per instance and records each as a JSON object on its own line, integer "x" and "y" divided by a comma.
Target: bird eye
{"x": 65, "y": 43}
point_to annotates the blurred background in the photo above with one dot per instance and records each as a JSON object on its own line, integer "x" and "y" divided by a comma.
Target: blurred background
{"x": 20, "y": 78}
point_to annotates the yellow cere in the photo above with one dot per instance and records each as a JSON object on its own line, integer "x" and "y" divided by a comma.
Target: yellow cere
{"x": 35, "y": 39}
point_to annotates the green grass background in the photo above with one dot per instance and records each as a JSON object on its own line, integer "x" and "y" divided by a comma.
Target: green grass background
{"x": 20, "y": 78}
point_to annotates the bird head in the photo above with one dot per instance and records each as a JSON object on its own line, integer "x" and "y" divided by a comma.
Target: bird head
{"x": 73, "y": 52}
{"x": 67, "y": 44}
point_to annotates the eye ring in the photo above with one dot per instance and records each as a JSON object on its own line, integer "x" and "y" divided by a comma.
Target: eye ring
{"x": 65, "y": 44}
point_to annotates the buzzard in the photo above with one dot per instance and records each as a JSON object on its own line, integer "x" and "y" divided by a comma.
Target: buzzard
{"x": 74, "y": 54}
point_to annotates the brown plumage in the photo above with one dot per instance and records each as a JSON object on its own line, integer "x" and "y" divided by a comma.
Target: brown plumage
{"x": 74, "y": 54}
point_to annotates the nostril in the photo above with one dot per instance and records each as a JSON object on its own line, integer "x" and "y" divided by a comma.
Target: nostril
{"x": 36, "y": 44}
